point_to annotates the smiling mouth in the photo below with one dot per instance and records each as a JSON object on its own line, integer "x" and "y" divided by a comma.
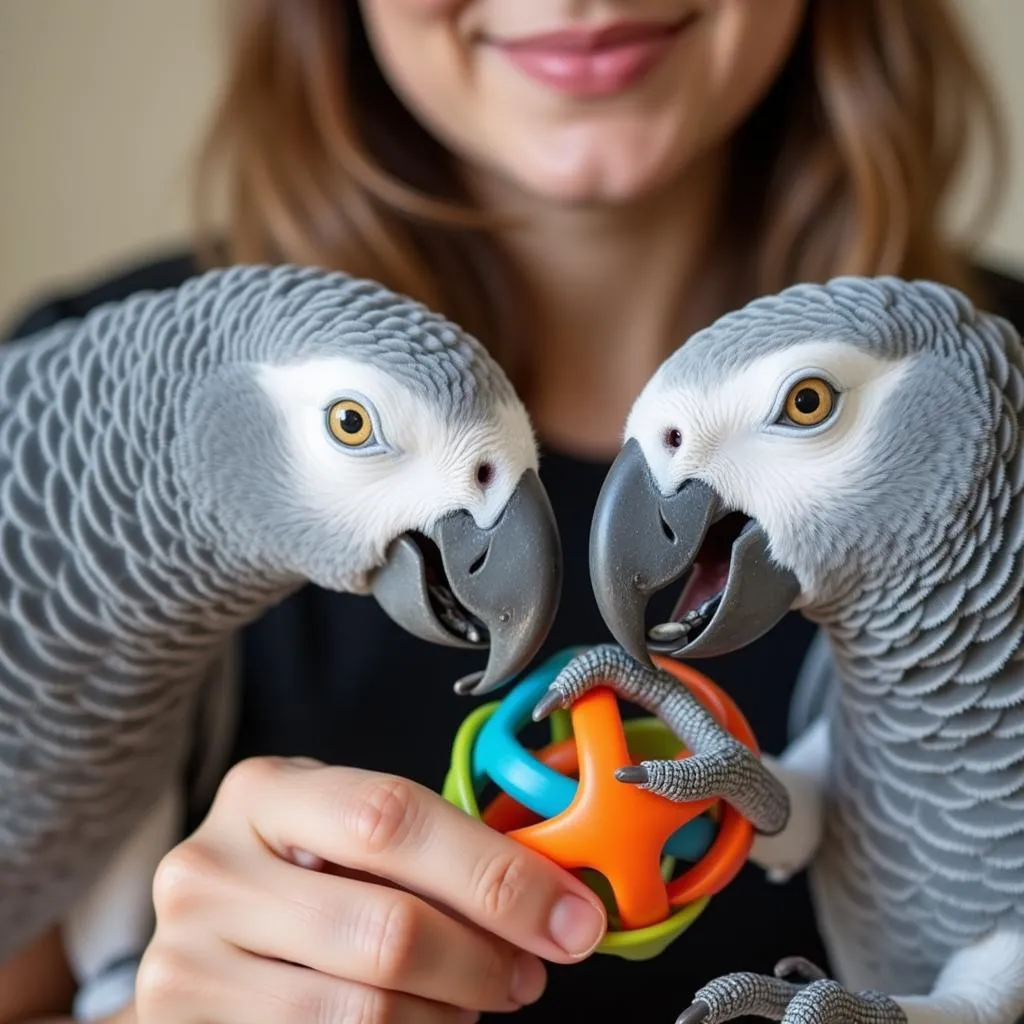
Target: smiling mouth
{"x": 461, "y": 623}
{"x": 705, "y": 584}
{"x": 589, "y": 63}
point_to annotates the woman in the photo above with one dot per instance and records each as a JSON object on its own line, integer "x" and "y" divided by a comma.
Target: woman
{"x": 582, "y": 185}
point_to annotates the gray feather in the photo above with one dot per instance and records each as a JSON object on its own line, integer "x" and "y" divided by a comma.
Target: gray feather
{"x": 954, "y": 675}
{"x": 919, "y": 664}
{"x": 813, "y": 686}
{"x": 131, "y": 547}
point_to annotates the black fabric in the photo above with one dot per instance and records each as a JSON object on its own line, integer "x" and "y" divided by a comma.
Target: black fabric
{"x": 330, "y": 676}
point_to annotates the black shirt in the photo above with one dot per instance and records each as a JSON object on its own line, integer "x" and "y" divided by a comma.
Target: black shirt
{"x": 330, "y": 676}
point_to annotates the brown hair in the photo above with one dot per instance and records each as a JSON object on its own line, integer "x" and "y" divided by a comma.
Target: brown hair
{"x": 845, "y": 166}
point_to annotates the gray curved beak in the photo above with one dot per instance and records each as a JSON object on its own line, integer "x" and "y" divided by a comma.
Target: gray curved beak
{"x": 495, "y": 589}
{"x": 642, "y": 541}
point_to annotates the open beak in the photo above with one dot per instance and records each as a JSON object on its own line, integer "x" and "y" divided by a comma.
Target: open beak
{"x": 495, "y": 589}
{"x": 642, "y": 542}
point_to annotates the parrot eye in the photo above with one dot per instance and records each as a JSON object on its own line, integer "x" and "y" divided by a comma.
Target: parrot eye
{"x": 810, "y": 401}
{"x": 350, "y": 423}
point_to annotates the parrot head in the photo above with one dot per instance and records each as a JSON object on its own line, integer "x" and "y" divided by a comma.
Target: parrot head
{"x": 797, "y": 450}
{"x": 369, "y": 445}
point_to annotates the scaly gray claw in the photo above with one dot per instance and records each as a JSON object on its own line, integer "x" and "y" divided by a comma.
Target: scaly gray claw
{"x": 694, "y": 1014}
{"x": 827, "y": 1002}
{"x": 800, "y": 967}
{"x": 679, "y": 781}
{"x": 744, "y": 994}
{"x": 720, "y": 766}
{"x": 551, "y": 701}
{"x": 817, "y": 1001}
{"x": 606, "y": 665}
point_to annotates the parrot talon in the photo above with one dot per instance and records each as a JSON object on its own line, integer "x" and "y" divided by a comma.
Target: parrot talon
{"x": 817, "y": 1000}
{"x": 720, "y": 768}
{"x": 694, "y": 1014}
{"x": 551, "y": 701}
{"x": 798, "y": 966}
{"x": 607, "y": 665}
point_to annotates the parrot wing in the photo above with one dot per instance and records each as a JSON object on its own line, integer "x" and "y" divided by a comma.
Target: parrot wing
{"x": 816, "y": 681}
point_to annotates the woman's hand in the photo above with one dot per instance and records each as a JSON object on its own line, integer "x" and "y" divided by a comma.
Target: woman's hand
{"x": 320, "y": 894}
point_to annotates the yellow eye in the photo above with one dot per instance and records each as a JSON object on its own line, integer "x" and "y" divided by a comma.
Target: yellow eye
{"x": 349, "y": 423}
{"x": 809, "y": 402}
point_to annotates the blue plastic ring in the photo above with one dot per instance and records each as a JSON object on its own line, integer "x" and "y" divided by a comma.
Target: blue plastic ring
{"x": 500, "y": 756}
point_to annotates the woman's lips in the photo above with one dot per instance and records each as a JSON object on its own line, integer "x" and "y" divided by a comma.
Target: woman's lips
{"x": 590, "y": 63}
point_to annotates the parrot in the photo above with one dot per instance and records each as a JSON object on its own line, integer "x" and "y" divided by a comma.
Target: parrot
{"x": 848, "y": 450}
{"x": 174, "y": 464}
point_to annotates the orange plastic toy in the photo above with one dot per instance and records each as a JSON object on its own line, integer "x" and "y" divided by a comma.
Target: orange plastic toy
{"x": 613, "y": 835}
{"x": 620, "y": 830}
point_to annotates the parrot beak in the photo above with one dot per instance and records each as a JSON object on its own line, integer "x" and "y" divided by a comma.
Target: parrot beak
{"x": 642, "y": 542}
{"x": 477, "y": 588}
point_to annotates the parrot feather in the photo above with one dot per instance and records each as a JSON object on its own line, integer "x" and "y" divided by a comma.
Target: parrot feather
{"x": 169, "y": 471}
{"x": 868, "y": 430}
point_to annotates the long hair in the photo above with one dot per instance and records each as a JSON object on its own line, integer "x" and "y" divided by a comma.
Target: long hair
{"x": 845, "y": 167}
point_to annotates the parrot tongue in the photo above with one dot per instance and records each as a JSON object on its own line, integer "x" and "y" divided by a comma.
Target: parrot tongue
{"x": 414, "y": 590}
{"x": 458, "y": 620}
{"x": 492, "y": 588}
{"x": 706, "y": 582}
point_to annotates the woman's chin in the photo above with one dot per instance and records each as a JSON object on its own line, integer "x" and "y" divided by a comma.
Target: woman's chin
{"x": 590, "y": 172}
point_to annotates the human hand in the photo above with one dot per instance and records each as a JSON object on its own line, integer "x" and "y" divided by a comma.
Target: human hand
{"x": 315, "y": 893}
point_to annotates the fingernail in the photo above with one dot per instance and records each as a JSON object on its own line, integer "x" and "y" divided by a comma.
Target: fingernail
{"x": 528, "y": 980}
{"x": 576, "y": 925}
{"x": 305, "y": 859}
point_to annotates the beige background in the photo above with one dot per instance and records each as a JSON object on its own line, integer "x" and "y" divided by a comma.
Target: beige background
{"x": 101, "y": 102}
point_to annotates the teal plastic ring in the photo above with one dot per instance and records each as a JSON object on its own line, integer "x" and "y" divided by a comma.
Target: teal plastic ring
{"x": 499, "y": 756}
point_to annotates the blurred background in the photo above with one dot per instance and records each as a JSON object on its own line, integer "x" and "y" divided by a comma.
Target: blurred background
{"x": 102, "y": 102}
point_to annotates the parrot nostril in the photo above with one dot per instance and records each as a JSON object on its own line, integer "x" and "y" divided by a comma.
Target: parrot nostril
{"x": 484, "y": 474}
{"x": 670, "y": 534}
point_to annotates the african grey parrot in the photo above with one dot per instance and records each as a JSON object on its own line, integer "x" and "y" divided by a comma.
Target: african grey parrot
{"x": 174, "y": 464}
{"x": 851, "y": 450}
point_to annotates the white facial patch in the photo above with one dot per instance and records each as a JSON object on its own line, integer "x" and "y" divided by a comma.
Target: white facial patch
{"x": 416, "y": 466}
{"x": 772, "y": 473}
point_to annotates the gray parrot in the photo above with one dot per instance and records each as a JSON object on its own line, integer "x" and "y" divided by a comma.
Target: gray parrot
{"x": 851, "y": 450}
{"x": 173, "y": 465}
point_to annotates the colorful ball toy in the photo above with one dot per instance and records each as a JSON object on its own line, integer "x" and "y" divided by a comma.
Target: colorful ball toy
{"x": 655, "y": 863}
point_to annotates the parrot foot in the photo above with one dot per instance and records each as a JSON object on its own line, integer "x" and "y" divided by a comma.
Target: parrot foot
{"x": 606, "y": 665}
{"x": 815, "y": 999}
{"x": 720, "y": 766}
